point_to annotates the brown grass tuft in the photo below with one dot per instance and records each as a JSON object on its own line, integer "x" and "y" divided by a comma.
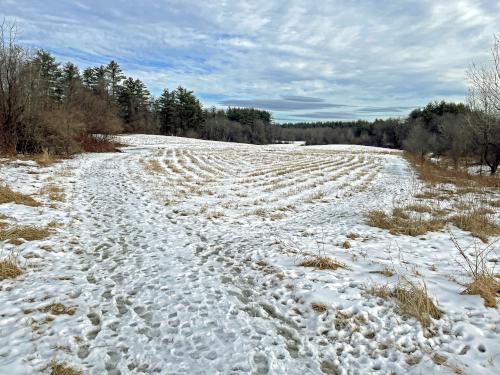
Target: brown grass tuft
{"x": 319, "y": 307}
{"x": 7, "y": 196}
{"x": 414, "y": 300}
{"x": 58, "y": 309}
{"x": 346, "y": 245}
{"x": 59, "y": 368}
{"x": 154, "y": 166}
{"x": 380, "y": 291}
{"x": 352, "y": 236}
{"x": 28, "y": 233}
{"x": 386, "y": 271}
{"x": 9, "y": 268}
{"x": 478, "y": 223}
{"x": 399, "y": 222}
{"x": 322, "y": 263}
{"x": 54, "y": 192}
{"x": 486, "y": 286}
{"x": 421, "y": 208}
{"x": 484, "y": 280}
{"x": 44, "y": 159}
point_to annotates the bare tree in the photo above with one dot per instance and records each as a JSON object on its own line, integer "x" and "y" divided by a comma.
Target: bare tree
{"x": 13, "y": 93}
{"x": 484, "y": 101}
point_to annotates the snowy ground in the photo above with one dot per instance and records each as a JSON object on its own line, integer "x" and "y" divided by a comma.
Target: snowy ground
{"x": 182, "y": 257}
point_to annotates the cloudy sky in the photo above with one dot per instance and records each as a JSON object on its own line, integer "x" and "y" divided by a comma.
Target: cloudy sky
{"x": 303, "y": 60}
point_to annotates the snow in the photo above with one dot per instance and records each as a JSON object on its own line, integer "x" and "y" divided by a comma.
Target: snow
{"x": 194, "y": 269}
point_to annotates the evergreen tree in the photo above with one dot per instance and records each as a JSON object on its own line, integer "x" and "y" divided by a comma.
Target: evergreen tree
{"x": 70, "y": 80}
{"x": 48, "y": 76}
{"x": 115, "y": 77}
{"x": 189, "y": 111}
{"x": 167, "y": 111}
{"x": 88, "y": 78}
{"x": 134, "y": 101}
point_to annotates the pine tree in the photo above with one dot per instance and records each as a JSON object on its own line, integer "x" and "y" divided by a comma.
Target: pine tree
{"x": 48, "y": 74}
{"x": 167, "y": 109}
{"x": 115, "y": 77}
{"x": 189, "y": 110}
{"x": 134, "y": 101}
{"x": 70, "y": 80}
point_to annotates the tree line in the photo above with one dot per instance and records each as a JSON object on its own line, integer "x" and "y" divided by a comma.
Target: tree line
{"x": 58, "y": 108}
{"x": 467, "y": 132}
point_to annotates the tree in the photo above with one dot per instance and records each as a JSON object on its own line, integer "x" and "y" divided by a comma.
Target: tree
{"x": 167, "y": 110}
{"x": 134, "y": 101}
{"x": 114, "y": 76}
{"x": 456, "y": 138}
{"x": 484, "y": 101}
{"x": 419, "y": 140}
{"x": 13, "y": 93}
{"x": 47, "y": 75}
{"x": 189, "y": 111}
{"x": 70, "y": 81}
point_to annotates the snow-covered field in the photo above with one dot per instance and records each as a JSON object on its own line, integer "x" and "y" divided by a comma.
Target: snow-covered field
{"x": 182, "y": 256}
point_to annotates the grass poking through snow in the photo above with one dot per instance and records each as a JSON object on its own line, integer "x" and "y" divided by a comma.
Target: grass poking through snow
{"x": 9, "y": 268}
{"x": 399, "y": 222}
{"x": 412, "y": 300}
{"x": 58, "y": 309}
{"x": 484, "y": 281}
{"x": 8, "y": 196}
{"x": 27, "y": 232}
{"x": 322, "y": 263}
{"x": 59, "y": 368}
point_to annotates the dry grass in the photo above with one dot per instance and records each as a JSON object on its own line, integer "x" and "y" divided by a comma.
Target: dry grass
{"x": 319, "y": 307}
{"x": 380, "y": 291}
{"x": 59, "y": 368}
{"x": 434, "y": 174}
{"x": 478, "y": 223}
{"x": 346, "y": 245}
{"x": 28, "y": 233}
{"x": 152, "y": 165}
{"x": 414, "y": 300}
{"x": 386, "y": 271}
{"x": 54, "y": 192}
{"x": 9, "y": 268}
{"x": 215, "y": 214}
{"x": 322, "y": 263}
{"x": 401, "y": 223}
{"x": 315, "y": 197}
{"x": 7, "y": 196}
{"x": 421, "y": 208}
{"x": 484, "y": 282}
{"x": 44, "y": 159}
{"x": 487, "y": 286}
{"x": 259, "y": 212}
{"x": 352, "y": 236}
{"x": 58, "y": 309}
